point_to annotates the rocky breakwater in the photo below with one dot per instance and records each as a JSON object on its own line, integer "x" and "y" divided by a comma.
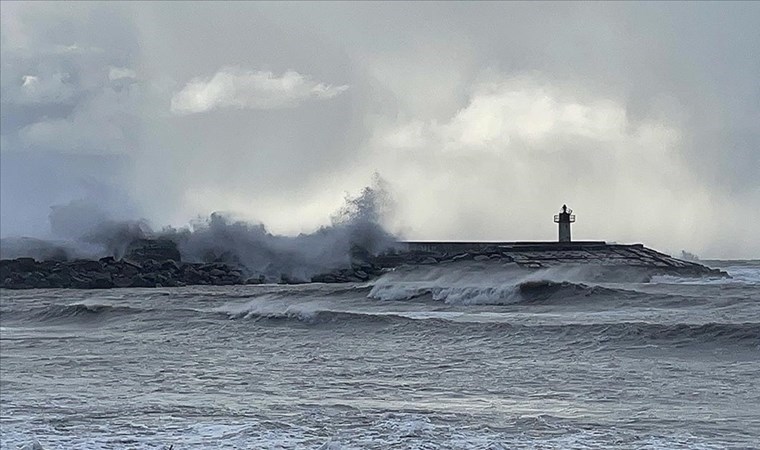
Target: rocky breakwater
{"x": 154, "y": 263}
{"x": 593, "y": 260}
{"x": 26, "y": 273}
{"x": 147, "y": 263}
{"x": 157, "y": 262}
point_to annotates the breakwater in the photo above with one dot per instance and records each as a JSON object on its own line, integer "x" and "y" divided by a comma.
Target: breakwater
{"x": 153, "y": 263}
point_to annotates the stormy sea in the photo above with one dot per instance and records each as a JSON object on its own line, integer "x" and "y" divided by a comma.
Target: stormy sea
{"x": 420, "y": 358}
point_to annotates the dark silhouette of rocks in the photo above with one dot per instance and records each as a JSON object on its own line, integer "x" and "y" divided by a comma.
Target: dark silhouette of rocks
{"x": 26, "y": 273}
{"x": 157, "y": 262}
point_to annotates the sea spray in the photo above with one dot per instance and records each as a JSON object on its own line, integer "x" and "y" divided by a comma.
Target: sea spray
{"x": 86, "y": 231}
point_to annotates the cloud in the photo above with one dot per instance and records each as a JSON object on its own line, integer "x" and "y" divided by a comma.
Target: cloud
{"x": 99, "y": 125}
{"x": 44, "y": 88}
{"x": 75, "y": 49}
{"x": 119, "y": 73}
{"x": 233, "y": 87}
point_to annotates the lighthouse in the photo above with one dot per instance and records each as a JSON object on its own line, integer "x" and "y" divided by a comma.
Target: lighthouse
{"x": 564, "y": 219}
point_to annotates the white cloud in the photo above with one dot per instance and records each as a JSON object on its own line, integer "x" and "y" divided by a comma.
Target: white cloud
{"x": 233, "y": 87}
{"x": 119, "y": 73}
{"x": 51, "y": 88}
{"x": 75, "y": 49}
{"x": 518, "y": 109}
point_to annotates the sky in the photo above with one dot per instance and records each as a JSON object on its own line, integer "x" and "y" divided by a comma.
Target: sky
{"x": 482, "y": 119}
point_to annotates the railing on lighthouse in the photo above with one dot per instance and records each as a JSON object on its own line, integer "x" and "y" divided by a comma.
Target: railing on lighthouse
{"x": 564, "y": 219}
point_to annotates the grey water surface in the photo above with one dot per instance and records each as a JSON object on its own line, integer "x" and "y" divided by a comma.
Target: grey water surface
{"x": 449, "y": 358}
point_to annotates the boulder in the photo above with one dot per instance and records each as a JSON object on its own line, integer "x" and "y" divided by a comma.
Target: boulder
{"x": 149, "y": 265}
{"x": 24, "y": 264}
{"x": 191, "y": 275}
{"x": 101, "y": 281}
{"x": 142, "y": 281}
{"x": 81, "y": 282}
{"x": 287, "y": 279}
{"x": 216, "y": 273}
{"x": 85, "y": 265}
{"x": 170, "y": 265}
{"x": 236, "y": 274}
{"x": 128, "y": 269}
{"x": 323, "y": 278}
{"x": 122, "y": 281}
{"x": 362, "y": 275}
{"x": 57, "y": 281}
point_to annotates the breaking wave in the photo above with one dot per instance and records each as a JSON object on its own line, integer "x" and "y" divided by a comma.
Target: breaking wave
{"x": 503, "y": 294}
{"x": 271, "y": 308}
{"x": 473, "y": 284}
{"x": 632, "y": 333}
{"x": 275, "y": 309}
{"x": 85, "y": 311}
{"x": 82, "y": 310}
{"x": 677, "y": 334}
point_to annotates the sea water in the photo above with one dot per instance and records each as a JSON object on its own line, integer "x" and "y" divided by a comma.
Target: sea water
{"x": 424, "y": 358}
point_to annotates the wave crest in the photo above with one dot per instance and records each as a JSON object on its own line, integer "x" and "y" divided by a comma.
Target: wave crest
{"x": 475, "y": 285}
{"x": 266, "y": 308}
{"x": 70, "y": 311}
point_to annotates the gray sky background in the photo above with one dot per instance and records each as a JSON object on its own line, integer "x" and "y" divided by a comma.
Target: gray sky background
{"x": 484, "y": 118}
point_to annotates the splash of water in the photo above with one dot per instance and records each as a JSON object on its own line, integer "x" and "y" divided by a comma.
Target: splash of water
{"x": 356, "y": 231}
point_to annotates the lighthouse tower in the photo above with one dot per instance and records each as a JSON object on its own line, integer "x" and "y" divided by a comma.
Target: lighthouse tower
{"x": 564, "y": 219}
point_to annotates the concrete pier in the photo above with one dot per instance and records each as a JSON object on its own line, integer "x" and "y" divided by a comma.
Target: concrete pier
{"x": 552, "y": 254}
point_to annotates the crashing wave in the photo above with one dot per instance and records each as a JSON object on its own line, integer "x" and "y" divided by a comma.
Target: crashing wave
{"x": 81, "y": 310}
{"x": 83, "y": 230}
{"x": 471, "y": 284}
{"x": 268, "y": 308}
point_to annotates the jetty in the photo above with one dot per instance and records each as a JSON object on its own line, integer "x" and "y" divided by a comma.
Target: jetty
{"x": 158, "y": 263}
{"x": 564, "y": 252}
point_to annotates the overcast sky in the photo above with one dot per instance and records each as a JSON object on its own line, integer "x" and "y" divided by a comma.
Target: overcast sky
{"x": 483, "y": 118}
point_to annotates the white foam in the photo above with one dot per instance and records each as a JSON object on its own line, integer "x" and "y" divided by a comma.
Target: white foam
{"x": 739, "y": 275}
{"x": 387, "y": 430}
{"x": 466, "y": 284}
{"x": 268, "y": 306}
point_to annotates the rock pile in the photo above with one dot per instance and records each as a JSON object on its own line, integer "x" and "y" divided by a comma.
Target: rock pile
{"x": 154, "y": 263}
{"x": 492, "y": 254}
{"x": 26, "y": 273}
{"x": 356, "y": 273}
